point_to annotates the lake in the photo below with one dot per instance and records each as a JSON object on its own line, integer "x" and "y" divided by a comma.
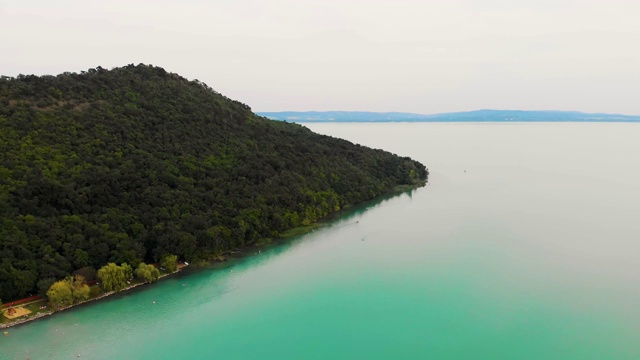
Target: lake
{"x": 525, "y": 244}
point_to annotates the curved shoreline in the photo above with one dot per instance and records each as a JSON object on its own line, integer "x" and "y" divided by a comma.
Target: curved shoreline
{"x": 397, "y": 190}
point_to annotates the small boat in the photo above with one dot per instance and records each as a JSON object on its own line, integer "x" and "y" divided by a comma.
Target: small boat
{"x": 186, "y": 263}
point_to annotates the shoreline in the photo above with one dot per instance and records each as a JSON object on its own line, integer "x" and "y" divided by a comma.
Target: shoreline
{"x": 41, "y": 315}
{"x": 244, "y": 252}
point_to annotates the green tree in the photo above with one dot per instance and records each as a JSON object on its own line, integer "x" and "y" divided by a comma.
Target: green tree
{"x": 112, "y": 277}
{"x": 68, "y": 291}
{"x": 60, "y": 293}
{"x": 128, "y": 271}
{"x": 81, "y": 258}
{"x": 80, "y": 289}
{"x": 147, "y": 272}
{"x": 95, "y": 291}
{"x": 169, "y": 262}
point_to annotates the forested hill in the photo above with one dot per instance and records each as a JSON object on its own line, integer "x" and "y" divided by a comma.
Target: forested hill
{"x": 130, "y": 164}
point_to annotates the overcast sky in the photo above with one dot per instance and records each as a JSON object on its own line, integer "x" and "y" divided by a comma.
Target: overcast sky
{"x": 402, "y": 55}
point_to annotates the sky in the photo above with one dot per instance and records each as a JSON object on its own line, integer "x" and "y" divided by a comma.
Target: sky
{"x": 411, "y": 56}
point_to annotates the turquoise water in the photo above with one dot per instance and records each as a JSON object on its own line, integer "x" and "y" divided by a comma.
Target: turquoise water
{"x": 524, "y": 245}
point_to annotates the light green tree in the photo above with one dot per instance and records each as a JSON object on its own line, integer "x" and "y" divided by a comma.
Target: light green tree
{"x": 60, "y": 293}
{"x": 81, "y": 293}
{"x": 148, "y": 273}
{"x": 80, "y": 289}
{"x": 169, "y": 262}
{"x": 113, "y": 277}
{"x": 128, "y": 271}
{"x": 68, "y": 291}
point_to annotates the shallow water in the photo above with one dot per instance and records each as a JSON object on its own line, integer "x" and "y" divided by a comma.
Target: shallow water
{"x": 524, "y": 245}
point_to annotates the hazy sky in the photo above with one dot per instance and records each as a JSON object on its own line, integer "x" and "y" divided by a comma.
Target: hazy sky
{"x": 402, "y": 55}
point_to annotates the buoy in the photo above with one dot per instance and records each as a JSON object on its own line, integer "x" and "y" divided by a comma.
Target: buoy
{"x": 6, "y": 333}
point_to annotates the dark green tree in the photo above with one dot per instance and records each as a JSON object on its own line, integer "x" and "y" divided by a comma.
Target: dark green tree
{"x": 87, "y": 272}
{"x": 44, "y": 285}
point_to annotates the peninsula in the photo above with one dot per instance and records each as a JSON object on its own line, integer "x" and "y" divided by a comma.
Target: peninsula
{"x": 135, "y": 164}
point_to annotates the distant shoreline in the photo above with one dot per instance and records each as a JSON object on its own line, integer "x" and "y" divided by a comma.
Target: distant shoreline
{"x": 511, "y": 116}
{"x": 458, "y": 121}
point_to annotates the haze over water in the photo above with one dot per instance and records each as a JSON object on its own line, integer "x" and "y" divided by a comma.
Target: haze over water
{"x": 524, "y": 245}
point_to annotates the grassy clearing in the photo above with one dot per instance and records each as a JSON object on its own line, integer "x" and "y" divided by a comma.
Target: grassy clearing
{"x": 33, "y": 309}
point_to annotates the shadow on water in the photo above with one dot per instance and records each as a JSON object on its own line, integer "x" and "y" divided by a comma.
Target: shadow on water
{"x": 222, "y": 272}
{"x": 262, "y": 254}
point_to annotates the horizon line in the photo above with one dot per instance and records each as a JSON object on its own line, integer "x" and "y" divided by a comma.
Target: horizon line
{"x": 447, "y": 112}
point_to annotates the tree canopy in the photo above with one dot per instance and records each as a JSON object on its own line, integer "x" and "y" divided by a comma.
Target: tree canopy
{"x": 113, "y": 277}
{"x": 169, "y": 262}
{"x": 68, "y": 291}
{"x": 147, "y": 272}
{"x": 129, "y": 164}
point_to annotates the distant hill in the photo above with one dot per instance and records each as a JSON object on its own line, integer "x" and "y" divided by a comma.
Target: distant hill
{"x": 467, "y": 116}
{"x": 129, "y": 164}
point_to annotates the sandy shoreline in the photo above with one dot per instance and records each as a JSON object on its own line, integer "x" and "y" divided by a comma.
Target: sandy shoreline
{"x": 48, "y": 313}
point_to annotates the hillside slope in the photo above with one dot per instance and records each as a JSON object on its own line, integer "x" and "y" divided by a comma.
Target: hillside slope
{"x": 129, "y": 164}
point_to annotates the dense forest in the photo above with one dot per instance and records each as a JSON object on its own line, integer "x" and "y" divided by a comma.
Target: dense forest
{"x": 133, "y": 163}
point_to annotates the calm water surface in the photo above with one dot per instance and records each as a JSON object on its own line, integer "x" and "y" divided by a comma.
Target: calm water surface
{"x": 524, "y": 245}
